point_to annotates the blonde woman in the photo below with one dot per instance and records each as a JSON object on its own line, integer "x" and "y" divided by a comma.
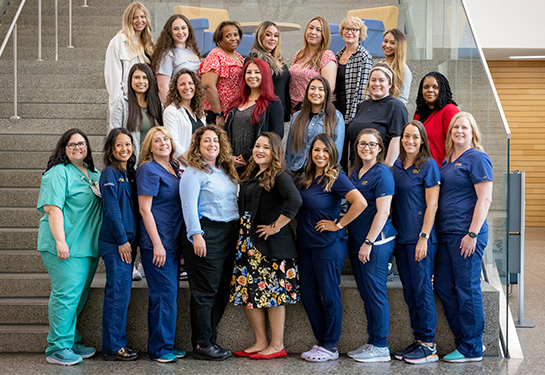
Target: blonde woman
{"x": 394, "y": 46}
{"x": 132, "y": 45}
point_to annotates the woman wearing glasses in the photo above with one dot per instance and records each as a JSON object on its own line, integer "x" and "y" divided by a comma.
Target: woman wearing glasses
{"x": 68, "y": 241}
{"x": 371, "y": 242}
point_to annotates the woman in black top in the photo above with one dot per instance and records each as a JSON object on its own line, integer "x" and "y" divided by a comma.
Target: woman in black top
{"x": 265, "y": 274}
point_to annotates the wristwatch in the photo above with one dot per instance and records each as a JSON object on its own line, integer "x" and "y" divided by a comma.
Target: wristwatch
{"x": 219, "y": 114}
{"x": 424, "y": 235}
{"x": 338, "y": 224}
{"x": 368, "y": 242}
{"x": 472, "y": 234}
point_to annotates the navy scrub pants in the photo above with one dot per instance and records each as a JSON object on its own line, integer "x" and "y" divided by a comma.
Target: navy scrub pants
{"x": 163, "y": 294}
{"x": 418, "y": 289}
{"x": 117, "y": 294}
{"x": 458, "y": 284}
{"x": 210, "y": 279}
{"x": 371, "y": 279}
{"x": 319, "y": 278}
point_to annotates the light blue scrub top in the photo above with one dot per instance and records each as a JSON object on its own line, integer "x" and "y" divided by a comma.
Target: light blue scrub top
{"x": 68, "y": 188}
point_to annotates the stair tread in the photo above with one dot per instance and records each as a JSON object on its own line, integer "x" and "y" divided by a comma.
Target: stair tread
{"x": 24, "y": 301}
{"x": 27, "y": 328}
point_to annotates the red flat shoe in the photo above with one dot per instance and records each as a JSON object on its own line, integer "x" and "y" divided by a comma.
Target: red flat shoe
{"x": 281, "y": 354}
{"x": 244, "y": 354}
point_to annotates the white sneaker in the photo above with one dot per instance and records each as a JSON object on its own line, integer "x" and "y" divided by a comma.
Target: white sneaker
{"x": 136, "y": 275}
{"x": 141, "y": 270}
{"x": 362, "y": 348}
{"x": 373, "y": 354}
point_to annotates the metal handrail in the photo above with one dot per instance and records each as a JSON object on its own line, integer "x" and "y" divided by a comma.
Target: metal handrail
{"x": 13, "y": 29}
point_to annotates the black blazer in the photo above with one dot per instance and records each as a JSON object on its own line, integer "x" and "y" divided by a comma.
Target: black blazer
{"x": 266, "y": 207}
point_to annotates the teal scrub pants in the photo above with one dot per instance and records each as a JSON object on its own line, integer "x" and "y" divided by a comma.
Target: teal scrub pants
{"x": 70, "y": 284}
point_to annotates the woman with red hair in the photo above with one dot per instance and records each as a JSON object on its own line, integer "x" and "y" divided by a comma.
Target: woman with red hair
{"x": 254, "y": 111}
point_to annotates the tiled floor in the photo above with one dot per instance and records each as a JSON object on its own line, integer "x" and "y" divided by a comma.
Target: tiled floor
{"x": 532, "y": 340}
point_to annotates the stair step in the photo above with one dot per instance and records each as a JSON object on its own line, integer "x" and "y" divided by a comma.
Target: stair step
{"x": 18, "y": 238}
{"x": 50, "y": 95}
{"x": 36, "y": 159}
{"x": 18, "y": 197}
{"x": 70, "y": 54}
{"x": 21, "y": 261}
{"x": 19, "y": 217}
{"x": 24, "y": 310}
{"x": 52, "y": 126}
{"x": 24, "y": 285}
{"x": 90, "y": 67}
{"x": 51, "y": 81}
{"x": 57, "y": 110}
{"x": 26, "y": 338}
{"x": 21, "y": 143}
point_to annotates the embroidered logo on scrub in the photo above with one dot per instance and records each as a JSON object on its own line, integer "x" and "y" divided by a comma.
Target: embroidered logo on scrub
{"x": 416, "y": 170}
{"x": 458, "y": 164}
{"x": 364, "y": 182}
{"x": 121, "y": 179}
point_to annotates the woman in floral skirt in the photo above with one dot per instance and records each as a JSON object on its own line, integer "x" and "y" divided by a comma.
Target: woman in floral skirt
{"x": 265, "y": 274}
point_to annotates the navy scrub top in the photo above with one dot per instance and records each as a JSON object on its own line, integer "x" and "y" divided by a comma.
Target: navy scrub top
{"x": 119, "y": 207}
{"x": 377, "y": 182}
{"x": 409, "y": 202}
{"x": 319, "y": 205}
{"x": 458, "y": 197}
{"x": 152, "y": 179}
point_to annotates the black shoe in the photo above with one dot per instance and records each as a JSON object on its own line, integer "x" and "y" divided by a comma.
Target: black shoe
{"x": 211, "y": 353}
{"x": 183, "y": 272}
{"x": 123, "y": 354}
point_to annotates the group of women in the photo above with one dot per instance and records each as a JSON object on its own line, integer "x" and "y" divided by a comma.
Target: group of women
{"x": 214, "y": 185}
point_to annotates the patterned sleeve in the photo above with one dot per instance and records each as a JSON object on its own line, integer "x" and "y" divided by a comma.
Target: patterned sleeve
{"x": 212, "y": 62}
{"x": 327, "y": 57}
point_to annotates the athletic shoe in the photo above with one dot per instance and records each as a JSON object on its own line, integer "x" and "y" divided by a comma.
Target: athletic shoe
{"x": 362, "y": 348}
{"x": 167, "y": 358}
{"x": 136, "y": 275}
{"x": 84, "y": 351}
{"x": 179, "y": 353}
{"x": 64, "y": 357}
{"x": 401, "y": 353}
{"x": 374, "y": 354}
{"x": 183, "y": 272}
{"x": 422, "y": 354}
{"x": 457, "y": 357}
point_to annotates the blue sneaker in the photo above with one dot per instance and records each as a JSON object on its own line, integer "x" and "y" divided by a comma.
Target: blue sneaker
{"x": 64, "y": 357}
{"x": 84, "y": 351}
{"x": 457, "y": 357}
{"x": 179, "y": 353}
{"x": 167, "y": 358}
{"x": 401, "y": 353}
{"x": 422, "y": 354}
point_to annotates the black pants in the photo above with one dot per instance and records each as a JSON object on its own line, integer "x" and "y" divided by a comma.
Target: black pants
{"x": 209, "y": 279}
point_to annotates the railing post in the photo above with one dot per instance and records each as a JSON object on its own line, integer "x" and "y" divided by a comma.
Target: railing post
{"x": 15, "y": 117}
{"x": 40, "y": 30}
{"x": 56, "y": 30}
{"x": 85, "y": 4}
{"x": 70, "y": 25}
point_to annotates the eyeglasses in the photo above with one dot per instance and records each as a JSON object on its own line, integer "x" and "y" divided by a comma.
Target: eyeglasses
{"x": 80, "y": 145}
{"x": 371, "y": 145}
{"x": 352, "y": 30}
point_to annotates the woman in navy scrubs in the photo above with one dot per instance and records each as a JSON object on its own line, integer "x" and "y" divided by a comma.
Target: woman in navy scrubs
{"x": 321, "y": 243}
{"x": 417, "y": 180}
{"x": 464, "y": 201}
{"x": 157, "y": 181}
{"x": 371, "y": 242}
{"x": 117, "y": 241}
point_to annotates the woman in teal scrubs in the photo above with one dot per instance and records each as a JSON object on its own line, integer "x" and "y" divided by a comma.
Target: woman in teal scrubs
{"x": 68, "y": 241}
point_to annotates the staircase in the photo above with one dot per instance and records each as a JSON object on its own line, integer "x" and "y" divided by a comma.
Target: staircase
{"x": 53, "y": 97}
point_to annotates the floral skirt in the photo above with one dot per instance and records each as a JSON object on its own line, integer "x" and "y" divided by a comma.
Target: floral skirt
{"x": 259, "y": 281}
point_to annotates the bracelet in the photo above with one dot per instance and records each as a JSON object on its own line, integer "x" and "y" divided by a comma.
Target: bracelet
{"x": 338, "y": 224}
{"x": 368, "y": 242}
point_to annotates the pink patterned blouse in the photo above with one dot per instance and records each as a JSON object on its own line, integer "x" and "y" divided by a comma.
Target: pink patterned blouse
{"x": 301, "y": 76}
{"x": 230, "y": 76}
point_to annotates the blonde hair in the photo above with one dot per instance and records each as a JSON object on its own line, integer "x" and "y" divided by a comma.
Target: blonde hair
{"x": 475, "y": 140}
{"x": 385, "y": 68}
{"x": 357, "y": 22}
{"x": 316, "y": 60}
{"x": 146, "y": 37}
{"x": 274, "y": 58}
{"x": 400, "y": 56}
{"x": 146, "y": 155}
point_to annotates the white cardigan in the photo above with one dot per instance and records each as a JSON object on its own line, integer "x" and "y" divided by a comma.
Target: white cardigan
{"x": 118, "y": 62}
{"x": 177, "y": 121}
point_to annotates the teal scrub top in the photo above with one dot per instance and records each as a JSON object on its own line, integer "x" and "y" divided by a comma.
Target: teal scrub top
{"x": 68, "y": 188}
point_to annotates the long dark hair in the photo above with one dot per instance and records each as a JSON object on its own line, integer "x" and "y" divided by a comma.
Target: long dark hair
{"x": 165, "y": 42}
{"x": 108, "y": 150}
{"x": 300, "y": 125}
{"x": 424, "y": 153}
{"x": 445, "y": 96}
{"x": 59, "y": 154}
{"x": 278, "y": 163}
{"x": 331, "y": 171}
{"x": 266, "y": 90}
{"x": 153, "y": 106}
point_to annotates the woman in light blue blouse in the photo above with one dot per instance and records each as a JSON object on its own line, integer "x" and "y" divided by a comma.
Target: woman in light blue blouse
{"x": 208, "y": 191}
{"x": 317, "y": 115}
